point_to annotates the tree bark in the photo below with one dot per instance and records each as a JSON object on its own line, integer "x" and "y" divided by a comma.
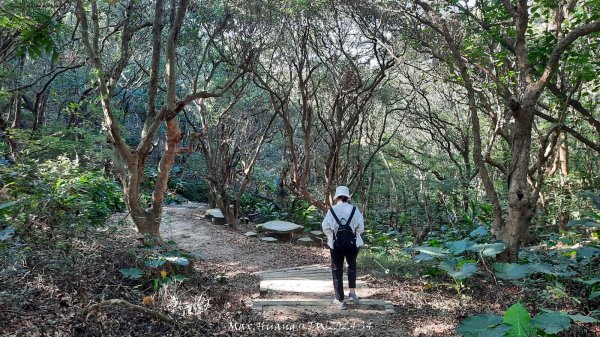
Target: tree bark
{"x": 521, "y": 201}
{"x": 132, "y": 163}
{"x": 16, "y": 122}
{"x": 520, "y": 206}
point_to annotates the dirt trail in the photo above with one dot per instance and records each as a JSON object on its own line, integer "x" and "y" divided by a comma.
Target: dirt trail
{"x": 185, "y": 224}
{"x": 226, "y": 251}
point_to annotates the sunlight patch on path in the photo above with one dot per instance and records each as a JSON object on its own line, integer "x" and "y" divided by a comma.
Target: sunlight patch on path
{"x": 309, "y": 289}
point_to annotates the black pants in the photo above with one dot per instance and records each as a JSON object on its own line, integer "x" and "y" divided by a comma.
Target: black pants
{"x": 337, "y": 269}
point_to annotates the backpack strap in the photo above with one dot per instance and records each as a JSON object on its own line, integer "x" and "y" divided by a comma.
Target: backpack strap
{"x": 335, "y": 217}
{"x": 336, "y": 220}
{"x": 351, "y": 215}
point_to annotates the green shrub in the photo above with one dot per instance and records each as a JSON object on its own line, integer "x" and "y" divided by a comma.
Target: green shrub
{"x": 49, "y": 143}
{"x": 188, "y": 179}
{"x": 517, "y": 322}
{"x": 57, "y": 193}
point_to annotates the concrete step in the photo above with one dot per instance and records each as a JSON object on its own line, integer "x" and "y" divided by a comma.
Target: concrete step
{"x": 304, "y": 285}
{"x": 286, "y": 302}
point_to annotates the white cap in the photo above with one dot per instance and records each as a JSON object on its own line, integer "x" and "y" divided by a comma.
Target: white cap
{"x": 341, "y": 191}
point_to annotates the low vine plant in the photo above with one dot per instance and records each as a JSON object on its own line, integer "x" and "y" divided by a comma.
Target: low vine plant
{"x": 517, "y": 321}
{"x": 162, "y": 270}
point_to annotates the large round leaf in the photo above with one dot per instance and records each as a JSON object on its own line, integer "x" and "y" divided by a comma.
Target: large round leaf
{"x": 551, "y": 322}
{"x": 479, "y": 232}
{"x": 179, "y": 260}
{"x": 458, "y": 247}
{"x": 512, "y": 271}
{"x": 518, "y": 318}
{"x": 583, "y": 319}
{"x": 421, "y": 257}
{"x": 488, "y": 249}
{"x": 586, "y": 252}
{"x": 458, "y": 271}
{"x": 433, "y": 251}
{"x": 154, "y": 263}
{"x": 132, "y": 273}
{"x": 556, "y": 270}
{"x": 484, "y": 325}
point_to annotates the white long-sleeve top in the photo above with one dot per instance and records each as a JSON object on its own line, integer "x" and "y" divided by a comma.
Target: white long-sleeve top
{"x": 343, "y": 210}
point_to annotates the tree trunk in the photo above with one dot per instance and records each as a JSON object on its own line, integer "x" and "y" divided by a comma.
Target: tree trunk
{"x": 563, "y": 156}
{"x": 223, "y": 202}
{"x": 520, "y": 206}
{"x": 16, "y": 122}
{"x": 563, "y": 160}
{"x": 146, "y": 222}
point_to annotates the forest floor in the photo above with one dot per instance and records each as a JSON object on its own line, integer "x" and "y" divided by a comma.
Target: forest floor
{"x": 49, "y": 285}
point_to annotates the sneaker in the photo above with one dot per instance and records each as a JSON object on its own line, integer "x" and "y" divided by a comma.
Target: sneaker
{"x": 340, "y": 304}
{"x": 353, "y": 297}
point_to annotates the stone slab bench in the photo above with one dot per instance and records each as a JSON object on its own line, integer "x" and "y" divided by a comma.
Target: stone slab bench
{"x": 216, "y": 216}
{"x": 281, "y": 229}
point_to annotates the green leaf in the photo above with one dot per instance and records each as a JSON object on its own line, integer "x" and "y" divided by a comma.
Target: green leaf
{"x": 583, "y": 319}
{"x": 458, "y": 247}
{"x": 7, "y": 205}
{"x": 479, "y": 232}
{"x": 594, "y": 198}
{"x": 182, "y": 261}
{"x": 551, "y": 322}
{"x": 556, "y": 270}
{"x": 587, "y": 252}
{"x": 178, "y": 277}
{"x": 583, "y": 222}
{"x": 155, "y": 262}
{"x": 512, "y": 271}
{"x": 466, "y": 270}
{"x": 421, "y": 257}
{"x": 439, "y": 252}
{"x": 7, "y": 233}
{"x": 518, "y": 318}
{"x": 588, "y": 282}
{"x": 594, "y": 294}
{"x": 132, "y": 273}
{"x": 488, "y": 249}
{"x": 484, "y": 325}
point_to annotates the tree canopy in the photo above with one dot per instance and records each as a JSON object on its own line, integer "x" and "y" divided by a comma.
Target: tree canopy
{"x": 475, "y": 119}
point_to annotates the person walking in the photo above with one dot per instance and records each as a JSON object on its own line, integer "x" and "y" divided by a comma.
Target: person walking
{"x": 343, "y": 225}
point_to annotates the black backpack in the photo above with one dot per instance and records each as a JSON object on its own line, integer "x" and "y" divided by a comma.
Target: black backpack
{"x": 345, "y": 238}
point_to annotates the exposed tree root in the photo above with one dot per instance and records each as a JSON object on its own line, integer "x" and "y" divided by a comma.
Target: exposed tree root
{"x": 138, "y": 308}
